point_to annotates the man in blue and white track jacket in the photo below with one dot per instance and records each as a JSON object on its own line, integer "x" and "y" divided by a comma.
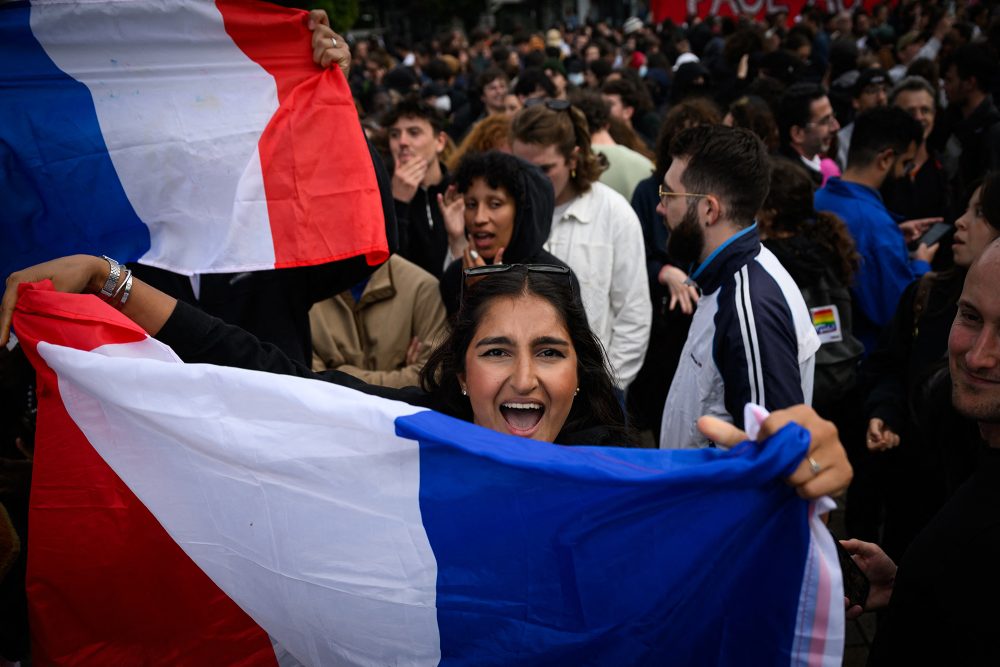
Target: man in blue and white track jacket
{"x": 752, "y": 338}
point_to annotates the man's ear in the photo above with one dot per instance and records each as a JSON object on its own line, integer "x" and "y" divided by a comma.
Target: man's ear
{"x": 797, "y": 134}
{"x": 440, "y": 142}
{"x": 885, "y": 159}
{"x": 711, "y": 206}
{"x": 628, "y": 111}
{"x": 571, "y": 162}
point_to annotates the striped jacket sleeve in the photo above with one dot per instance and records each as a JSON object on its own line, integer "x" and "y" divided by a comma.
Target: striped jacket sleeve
{"x": 755, "y": 346}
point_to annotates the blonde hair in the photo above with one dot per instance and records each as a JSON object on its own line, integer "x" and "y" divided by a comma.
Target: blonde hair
{"x": 491, "y": 133}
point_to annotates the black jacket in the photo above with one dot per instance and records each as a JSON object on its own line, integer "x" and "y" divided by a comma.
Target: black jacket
{"x": 979, "y": 137}
{"x": 423, "y": 238}
{"x": 532, "y": 224}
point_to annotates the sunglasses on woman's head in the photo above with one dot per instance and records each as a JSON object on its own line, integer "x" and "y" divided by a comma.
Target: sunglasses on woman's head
{"x": 476, "y": 273}
{"x": 555, "y": 105}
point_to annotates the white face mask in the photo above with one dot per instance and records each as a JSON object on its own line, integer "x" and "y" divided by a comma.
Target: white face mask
{"x": 443, "y": 104}
{"x": 576, "y": 78}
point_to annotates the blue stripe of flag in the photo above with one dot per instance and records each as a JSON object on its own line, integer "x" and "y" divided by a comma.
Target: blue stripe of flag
{"x": 59, "y": 193}
{"x": 559, "y": 555}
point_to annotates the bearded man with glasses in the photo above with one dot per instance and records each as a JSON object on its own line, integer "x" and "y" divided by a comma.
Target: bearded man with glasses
{"x": 752, "y": 339}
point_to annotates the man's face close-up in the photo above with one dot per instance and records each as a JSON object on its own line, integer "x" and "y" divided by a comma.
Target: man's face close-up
{"x": 411, "y": 138}
{"x": 821, "y": 127}
{"x": 974, "y": 343}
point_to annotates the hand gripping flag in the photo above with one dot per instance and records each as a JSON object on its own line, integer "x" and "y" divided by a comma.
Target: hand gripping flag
{"x": 195, "y": 514}
{"x": 190, "y": 135}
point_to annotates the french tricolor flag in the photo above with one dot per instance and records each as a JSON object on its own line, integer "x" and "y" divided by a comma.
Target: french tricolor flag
{"x": 200, "y": 515}
{"x": 190, "y": 135}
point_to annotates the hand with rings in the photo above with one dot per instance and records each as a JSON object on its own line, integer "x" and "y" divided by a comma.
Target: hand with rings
{"x": 825, "y": 470}
{"x": 328, "y": 47}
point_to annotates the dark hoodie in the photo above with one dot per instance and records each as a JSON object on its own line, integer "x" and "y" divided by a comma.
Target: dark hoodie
{"x": 532, "y": 223}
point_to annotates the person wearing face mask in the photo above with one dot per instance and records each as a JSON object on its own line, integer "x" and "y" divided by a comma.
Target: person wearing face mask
{"x": 908, "y": 410}
{"x": 502, "y": 206}
{"x": 575, "y": 73}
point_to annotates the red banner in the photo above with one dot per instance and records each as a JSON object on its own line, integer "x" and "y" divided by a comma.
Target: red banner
{"x": 679, "y": 10}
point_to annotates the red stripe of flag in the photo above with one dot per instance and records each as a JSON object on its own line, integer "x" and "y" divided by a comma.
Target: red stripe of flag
{"x": 322, "y": 194}
{"x": 106, "y": 584}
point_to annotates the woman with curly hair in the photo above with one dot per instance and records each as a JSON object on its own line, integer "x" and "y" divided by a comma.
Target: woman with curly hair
{"x": 503, "y": 207}
{"x": 817, "y": 250}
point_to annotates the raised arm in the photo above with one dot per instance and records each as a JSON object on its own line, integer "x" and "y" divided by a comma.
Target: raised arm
{"x": 86, "y": 274}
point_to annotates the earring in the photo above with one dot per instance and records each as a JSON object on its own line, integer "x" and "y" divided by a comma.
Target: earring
{"x": 577, "y": 391}
{"x": 572, "y": 173}
{"x": 464, "y": 392}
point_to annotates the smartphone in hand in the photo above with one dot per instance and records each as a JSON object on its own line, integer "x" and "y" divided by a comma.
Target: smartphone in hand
{"x": 936, "y": 233}
{"x": 856, "y": 584}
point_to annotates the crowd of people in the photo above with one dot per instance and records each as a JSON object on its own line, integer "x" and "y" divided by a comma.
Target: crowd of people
{"x": 604, "y": 233}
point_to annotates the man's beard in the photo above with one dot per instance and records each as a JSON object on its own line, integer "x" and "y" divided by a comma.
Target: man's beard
{"x": 981, "y": 406}
{"x": 686, "y": 241}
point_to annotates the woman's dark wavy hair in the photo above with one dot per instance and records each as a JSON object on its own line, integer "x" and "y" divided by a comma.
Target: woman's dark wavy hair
{"x": 595, "y": 405}
{"x": 791, "y": 197}
{"x": 753, "y": 113}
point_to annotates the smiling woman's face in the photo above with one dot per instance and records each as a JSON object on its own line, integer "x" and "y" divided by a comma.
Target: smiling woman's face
{"x": 521, "y": 369}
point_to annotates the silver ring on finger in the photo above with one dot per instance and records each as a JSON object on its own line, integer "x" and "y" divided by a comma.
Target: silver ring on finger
{"x": 813, "y": 465}
{"x": 333, "y": 41}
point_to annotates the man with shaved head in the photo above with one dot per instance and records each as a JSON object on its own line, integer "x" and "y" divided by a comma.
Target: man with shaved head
{"x": 941, "y": 600}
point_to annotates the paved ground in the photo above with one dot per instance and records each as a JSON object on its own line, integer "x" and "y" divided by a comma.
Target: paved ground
{"x": 860, "y": 631}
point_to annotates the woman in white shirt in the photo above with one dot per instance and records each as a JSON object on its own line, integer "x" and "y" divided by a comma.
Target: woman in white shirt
{"x": 594, "y": 230}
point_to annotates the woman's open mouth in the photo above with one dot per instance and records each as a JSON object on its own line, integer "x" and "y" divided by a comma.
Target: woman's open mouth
{"x": 522, "y": 418}
{"x": 483, "y": 240}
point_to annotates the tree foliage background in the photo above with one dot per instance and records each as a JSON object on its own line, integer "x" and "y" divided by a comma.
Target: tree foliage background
{"x": 342, "y": 13}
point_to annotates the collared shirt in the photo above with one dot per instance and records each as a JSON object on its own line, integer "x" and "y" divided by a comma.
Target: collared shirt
{"x": 751, "y": 341}
{"x": 600, "y": 238}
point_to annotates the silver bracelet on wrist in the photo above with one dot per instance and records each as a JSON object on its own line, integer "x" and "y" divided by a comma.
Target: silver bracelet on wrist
{"x": 125, "y": 292}
{"x": 121, "y": 294}
{"x": 108, "y": 291}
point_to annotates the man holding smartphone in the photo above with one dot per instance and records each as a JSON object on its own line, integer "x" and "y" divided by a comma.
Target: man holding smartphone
{"x": 941, "y": 600}
{"x": 885, "y": 141}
